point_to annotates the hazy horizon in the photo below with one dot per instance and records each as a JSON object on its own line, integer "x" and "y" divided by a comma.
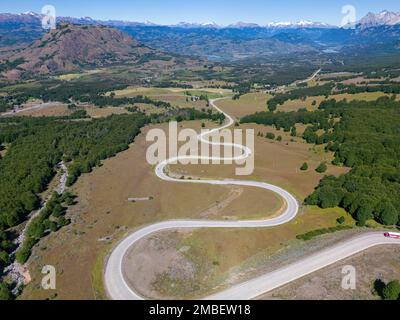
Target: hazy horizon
{"x": 222, "y": 13}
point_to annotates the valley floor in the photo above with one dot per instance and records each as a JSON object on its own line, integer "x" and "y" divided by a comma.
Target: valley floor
{"x": 104, "y": 215}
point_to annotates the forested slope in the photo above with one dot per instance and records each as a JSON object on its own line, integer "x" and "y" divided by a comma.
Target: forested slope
{"x": 364, "y": 136}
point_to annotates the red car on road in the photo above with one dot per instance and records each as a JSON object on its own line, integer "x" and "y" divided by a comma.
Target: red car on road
{"x": 393, "y": 235}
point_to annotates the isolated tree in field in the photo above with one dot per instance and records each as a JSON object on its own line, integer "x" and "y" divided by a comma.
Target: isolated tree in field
{"x": 270, "y": 136}
{"x": 341, "y": 220}
{"x": 304, "y": 167}
{"x": 391, "y": 291}
{"x": 322, "y": 168}
{"x": 293, "y": 132}
{"x": 279, "y": 138}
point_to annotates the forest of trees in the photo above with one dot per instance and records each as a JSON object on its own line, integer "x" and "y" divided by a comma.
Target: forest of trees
{"x": 379, "y": 87}
{"x": 367, "y": 139}
{"x": 50, "y": 219}
{"x": 37, "y": 145}
{"x": 287, "y": 120}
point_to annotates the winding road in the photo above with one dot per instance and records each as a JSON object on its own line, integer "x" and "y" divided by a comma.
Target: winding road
{"x": 118, "y": 289}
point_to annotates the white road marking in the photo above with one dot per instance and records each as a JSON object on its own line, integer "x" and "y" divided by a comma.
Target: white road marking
{"x": 118, "y": 289}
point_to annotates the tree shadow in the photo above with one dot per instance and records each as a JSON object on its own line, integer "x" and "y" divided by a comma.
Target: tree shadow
{"x": 379, "y": 285}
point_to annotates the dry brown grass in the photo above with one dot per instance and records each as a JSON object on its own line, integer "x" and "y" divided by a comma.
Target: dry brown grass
{"x": 46, "y": 110}
{"x": 103, "y": 211}
{"x": 96, "y": 112}
{"x": 247, "y": 104}
{"x": 218, "y": 257}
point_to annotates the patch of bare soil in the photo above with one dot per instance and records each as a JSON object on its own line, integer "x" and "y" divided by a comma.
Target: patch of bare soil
{"x": 234, "y": 193}
{"x": 156, "y": 259}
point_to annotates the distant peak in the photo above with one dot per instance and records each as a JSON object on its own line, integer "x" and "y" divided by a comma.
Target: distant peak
{"x": 382, "y": 18}
{"x": 298, "y": 24}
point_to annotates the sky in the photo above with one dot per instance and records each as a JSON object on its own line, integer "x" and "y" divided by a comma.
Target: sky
{"x": 223, "y": 12}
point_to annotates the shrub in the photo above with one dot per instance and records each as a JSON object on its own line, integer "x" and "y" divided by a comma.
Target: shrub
{"x": 341, "y": 220}
{"x": 312, "y": 234}
{"x": 304, "y": 167}
{"x": 270, "y": 136}
{"x": 391, "y": 291}
{"x": 322, "y": 168}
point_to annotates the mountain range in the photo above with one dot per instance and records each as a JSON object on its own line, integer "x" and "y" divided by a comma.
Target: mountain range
{"x": 385, "y": 17}
{"x": 379, "y": 31}
{"x": 371, "y": 19}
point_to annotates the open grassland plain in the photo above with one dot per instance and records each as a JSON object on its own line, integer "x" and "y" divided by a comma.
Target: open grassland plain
{"x": 211, "y": 258}
{"x": 57, "y": 109}
{"x": 277, "y": 162}
{"x": 36, "y": 108}
{"x": 247, "y": 104}
{"x": 376, "y": 263}
{"x": 96, "y": 112}
{"x": 80, "y": 75}
{"x": 104, "y": 215}
{"x": 177, "y": 97}
{"x": 151, "y": 91}
{"x": 312, "y": 103}
{"x": 182, "y": 101}
{"x": 201, "y": 261}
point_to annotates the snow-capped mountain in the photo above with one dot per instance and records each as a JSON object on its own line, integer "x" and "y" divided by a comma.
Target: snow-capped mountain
{"x": 385, "y": 17}
{"x": 298, "y": 24}
{"x": 240, "y": 25}
{"x": 196, "y": 25}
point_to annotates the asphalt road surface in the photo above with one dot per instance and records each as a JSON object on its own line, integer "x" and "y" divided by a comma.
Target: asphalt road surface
{"x": 118, "y": 289}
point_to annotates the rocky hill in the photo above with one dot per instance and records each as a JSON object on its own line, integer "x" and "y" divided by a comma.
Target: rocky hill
{"x": 384, "y": 18}
{"x": 380, "y": 31}
{"x": 73, "y": 47}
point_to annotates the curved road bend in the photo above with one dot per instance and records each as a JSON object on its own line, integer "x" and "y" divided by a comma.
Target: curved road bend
{"x": 118, "y": 289}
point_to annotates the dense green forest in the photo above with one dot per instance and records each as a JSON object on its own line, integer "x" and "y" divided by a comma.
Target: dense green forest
{"x": 378, "y": 87}
{"x": 36, "y": 146}
{"x": 364, "y": 136}
{"x": 50, "y": 219}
